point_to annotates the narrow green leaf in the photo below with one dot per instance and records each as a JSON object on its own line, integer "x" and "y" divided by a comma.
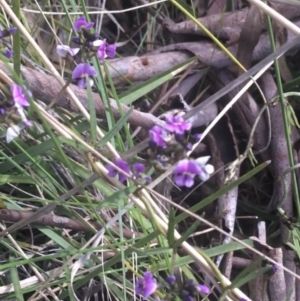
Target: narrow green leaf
{"x": 16, "y": 281}
{"x": 92, "y": 112}
{"x": 187, "y": 234}
{"x": 171, "y": 228}
{"x": 115, "y": 129}
{"x": 118, "y": 195}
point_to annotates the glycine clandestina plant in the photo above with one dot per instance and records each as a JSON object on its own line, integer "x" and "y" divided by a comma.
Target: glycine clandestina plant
{"x": 187, "y": 291}
{"x": 7, "y": 52}
{"x": 89, "y": 45}
{"x": 12, "y": 111}
{"x": 169, "y": 145}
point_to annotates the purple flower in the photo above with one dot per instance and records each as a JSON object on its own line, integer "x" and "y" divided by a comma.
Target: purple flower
{"x": 111, "y": 50}
{"x": 81, "y": 73}
{"x": 139, "y": 167}
{"x": 185, "y": 172}
{"x": 18, "y": 95}
{"x": 192, "y": 287}
{"x": 65, "y": 50}
{"x": 185, "y": 296}
{"x": 2, "y": 111}
{"x": 8, "y": 53}
{"x": 171, "y": 279}
{"x": 203, "y": 289}
{"x": 146, "y": 286}
{"x": 112, "y": 172}
{"x": 12, "y": 30}
{"x": 274, "y": 268}
{"x": 76, "y": 40}
{"x": 177, "y": 125}
{"x": 101, "y": 50}
{"x": 81, "y": 22}
{"x": 21, "y": 112}
{"x": 7, "y": 32}
{"x": 104, "y": 50}
{"x": 158, "y": 136}
{"x": 27, "y": 123}
{"x": 205, "y": 169}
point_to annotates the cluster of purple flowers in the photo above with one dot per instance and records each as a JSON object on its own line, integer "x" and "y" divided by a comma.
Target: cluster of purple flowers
{"x": 89, "y": 45}
{"x": 147, "y": 286}
{"x": 12, "y": 112}
{"x": 7, "y": 52}
{"x": 138, "y": 170}
{"x": 170, "y": 144}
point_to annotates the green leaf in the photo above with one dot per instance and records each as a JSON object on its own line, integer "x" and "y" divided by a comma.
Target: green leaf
{"x": 119, "y": 195}
{"x": 187, "y": 234}
{"x": 115, "y": 129}
{"x": 92, "y": 112}
{"x": 171, "y": 228}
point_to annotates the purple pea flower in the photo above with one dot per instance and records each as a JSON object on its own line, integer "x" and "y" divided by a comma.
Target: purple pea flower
{"x": 65, "y": 50}
{"x": 203, "y": 289}
{"x": 76, "y": 40}
{"x": 139, "y": 167}
{"x": 111, "y": 50}
{"x": 104, "y": 50}
{"x": 191, "y": 286}
{"x": 101, "y": 52}
{"x": 8, "y": 53}
{"x": 185, "y": 172}
{"x": 171, "y": 279}
{"x": 158, "y": 136}
{"x": 146, "y": 286}
{"x": 7, "y": 32}
{"x": 177, "y": 125}
{"x": 274, "y": 268}
{"x": 81, "y": 73}
{"x": 11, "y": 30}
{"x": 18, "y": 95}
{"x": 112, "y": 172}
{"x": 81, "y": 22}
{"x": 185, "y": 296}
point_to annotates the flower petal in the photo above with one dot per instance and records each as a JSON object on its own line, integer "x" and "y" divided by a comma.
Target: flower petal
{"x": 203, "y": 160}
{"x": 111, "y": 50}
{"x": 139, "y": 167}
{"x": 179, "y": 180}
{"x": 12, "y": 133}
{"x": 82, "y": 70}
{"x": 182, "y": 166}
{"x": 189, "y": 181}
{"x": 18, "y": 96}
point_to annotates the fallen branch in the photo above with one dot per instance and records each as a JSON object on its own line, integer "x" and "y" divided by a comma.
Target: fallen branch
{"x": 45, "y": 88}
{"x": 226, "y": 25}
{"x": 51, "y": 220}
